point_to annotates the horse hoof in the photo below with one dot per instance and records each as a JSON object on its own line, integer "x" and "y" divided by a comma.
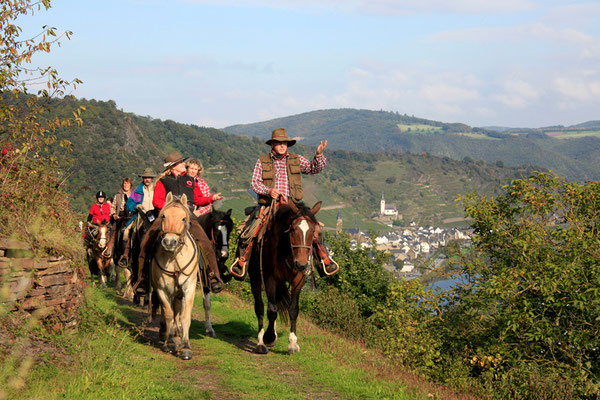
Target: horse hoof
{"x": 216, "y": 286}
{"x": 292, "y": 350}
{"x": 262, "y": 349}
{"x": 211, "y": 334}
{"x": 185, "y": 354}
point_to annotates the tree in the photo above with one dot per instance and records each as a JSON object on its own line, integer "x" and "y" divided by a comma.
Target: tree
{"x": 22, "y": 125}
{"x": 30, "y": 161}
{"x": 528, "y": 314}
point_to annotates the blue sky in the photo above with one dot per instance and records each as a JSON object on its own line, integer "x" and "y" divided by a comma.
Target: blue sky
{"x": 526, "y": 63}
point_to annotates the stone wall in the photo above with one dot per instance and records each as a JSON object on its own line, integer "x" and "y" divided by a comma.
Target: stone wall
{"x": 51, "y": 287}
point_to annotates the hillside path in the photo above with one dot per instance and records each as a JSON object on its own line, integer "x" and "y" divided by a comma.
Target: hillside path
{"x": 327, "y": 367}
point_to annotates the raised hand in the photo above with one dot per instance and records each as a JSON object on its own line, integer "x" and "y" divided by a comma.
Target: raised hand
{"x": 321, "y": 147}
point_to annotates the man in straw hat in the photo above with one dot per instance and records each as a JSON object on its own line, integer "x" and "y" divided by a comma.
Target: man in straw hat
{"x": 175, "y": 180}
{"x": 278, "y": 175}
{"x": 140, "y": 199}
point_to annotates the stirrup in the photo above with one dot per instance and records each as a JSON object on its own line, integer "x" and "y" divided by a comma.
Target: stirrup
{"x": 122, "y": 261}
{"x": 242, "y": 265}
{"x": 337, "y": 267}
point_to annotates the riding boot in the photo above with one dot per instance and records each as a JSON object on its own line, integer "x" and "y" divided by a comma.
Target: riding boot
{"x": 206, "y": 247}
{"x": 123, "y": 260}
{"x": 328, "y": 265}
{"x": 146, "y": 250}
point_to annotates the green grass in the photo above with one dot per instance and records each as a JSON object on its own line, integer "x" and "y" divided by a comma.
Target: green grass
{"x": 474, "y": 135}
{"x": 573, "y": 134}
{"x": 111, "y": 357}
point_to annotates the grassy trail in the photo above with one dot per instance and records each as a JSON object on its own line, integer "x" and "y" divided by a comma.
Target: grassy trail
{"x": 118, "y": 358}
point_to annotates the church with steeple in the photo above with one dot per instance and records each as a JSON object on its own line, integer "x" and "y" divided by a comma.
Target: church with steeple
{"x": 387, "y": 211}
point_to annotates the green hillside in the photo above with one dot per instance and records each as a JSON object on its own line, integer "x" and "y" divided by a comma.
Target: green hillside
{"x": 571, "y": 152}
{"x": 113, "y": 144}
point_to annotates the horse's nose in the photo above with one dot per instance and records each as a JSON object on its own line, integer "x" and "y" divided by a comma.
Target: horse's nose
{"x": 169, "y": 244}
{"x": 302, "y": 266}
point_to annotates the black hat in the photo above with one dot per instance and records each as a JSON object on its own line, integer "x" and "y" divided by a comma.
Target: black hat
{"x": 100, "y": 194}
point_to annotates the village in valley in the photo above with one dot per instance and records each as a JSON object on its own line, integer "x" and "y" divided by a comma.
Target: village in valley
{"x": 413, "y": 249}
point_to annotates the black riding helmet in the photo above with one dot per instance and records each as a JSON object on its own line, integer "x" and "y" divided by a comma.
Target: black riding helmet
{"x": 100, "y": 194}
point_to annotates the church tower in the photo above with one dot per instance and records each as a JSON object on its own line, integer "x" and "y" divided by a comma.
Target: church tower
{"x": 382, "y": 205}
{"x": 338, "y": 224}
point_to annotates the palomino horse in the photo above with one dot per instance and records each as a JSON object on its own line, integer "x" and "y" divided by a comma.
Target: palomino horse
{"x": 174, "y": 274}
{"x": 281, "y": 261}
{"x": 218, "y": 226}
{"x": 101, "y": 255}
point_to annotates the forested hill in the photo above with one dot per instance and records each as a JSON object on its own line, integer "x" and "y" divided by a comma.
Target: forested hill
{"x": 572, "y": 152}
{"x": 113, "y": 144}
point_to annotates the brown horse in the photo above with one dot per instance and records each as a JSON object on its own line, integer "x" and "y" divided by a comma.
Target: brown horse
{"x": 101, "y": 254}
{"x": 174, "y": 274}
{"x": 280, "y": 263}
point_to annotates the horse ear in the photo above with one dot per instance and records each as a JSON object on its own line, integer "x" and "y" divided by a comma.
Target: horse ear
{"x": 228, "y": 212}
{"x": 183, "y": 199}
{"x": 293, "y": 206}
{"x": 169, "y": 198}
{"x": 316, "y": 208}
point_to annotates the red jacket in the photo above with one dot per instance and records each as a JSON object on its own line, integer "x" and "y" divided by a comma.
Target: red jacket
{"x": 99, "y": 213}
{"x": 160, "y": 194}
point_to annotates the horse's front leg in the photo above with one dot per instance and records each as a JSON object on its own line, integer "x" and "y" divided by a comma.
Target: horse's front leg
{"x": 293, "y": 310}
{"x": 186, "y": 320}
{"x": 101, "y": 272}
{"x": 166, "y": 328}
{"x": 270, "y": 336}
{"x": 210, "y": 332}
{"x": 259, "y": 310}
{"x": 116, "y": 275}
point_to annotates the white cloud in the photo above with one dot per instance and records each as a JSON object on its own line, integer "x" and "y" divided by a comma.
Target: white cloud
{"x": 444, "y": 93}
{"x": 580, "y": 89}
{"x": 518, "y": 94}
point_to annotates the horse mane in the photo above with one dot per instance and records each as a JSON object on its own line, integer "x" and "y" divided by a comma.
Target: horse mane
{"x": 173, "y": 201}
{"x": 285, "y": 213}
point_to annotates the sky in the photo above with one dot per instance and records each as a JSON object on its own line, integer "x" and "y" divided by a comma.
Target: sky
{"x": 215, "y": 63}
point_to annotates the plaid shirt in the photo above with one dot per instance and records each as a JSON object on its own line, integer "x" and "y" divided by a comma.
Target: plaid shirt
{"x": 205, "y": 189}
{"x": 281, "y": 177}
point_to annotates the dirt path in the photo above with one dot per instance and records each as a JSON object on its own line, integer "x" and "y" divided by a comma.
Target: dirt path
{"x": 327, "y": 367}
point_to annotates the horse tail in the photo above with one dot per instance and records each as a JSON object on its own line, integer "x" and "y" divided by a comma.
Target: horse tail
{"x": 283, "y": 302}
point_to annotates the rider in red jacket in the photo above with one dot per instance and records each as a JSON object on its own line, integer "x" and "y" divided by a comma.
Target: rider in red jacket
{"x": 100, "y": 211}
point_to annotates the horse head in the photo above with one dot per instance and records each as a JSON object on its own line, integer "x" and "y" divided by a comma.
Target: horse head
{"x": 103, "y": 235}
{"x": 175, "y": 221}
{"x": 222, "y": 225}
{"x": 302, "y": 228}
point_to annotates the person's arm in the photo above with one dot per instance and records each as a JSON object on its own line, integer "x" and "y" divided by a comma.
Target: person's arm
{"x": 133, "y": 200}
{"x": 257, "y": 182}
{"x": 318, "y": 162}
{"x": 315, "y": 166}
{"x": 200, "y": 200}
{"x": 158, "y": 199}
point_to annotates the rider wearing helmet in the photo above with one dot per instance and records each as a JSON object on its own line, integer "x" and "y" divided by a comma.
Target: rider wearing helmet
{"x": 99, "y": 213}
{"x": 100, "y": 210}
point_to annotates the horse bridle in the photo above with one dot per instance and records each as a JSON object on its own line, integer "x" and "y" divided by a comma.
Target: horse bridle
{"x": 222, "y": 222}
{"x": 180, "y": 271}
{"x": 299, "y": 246}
